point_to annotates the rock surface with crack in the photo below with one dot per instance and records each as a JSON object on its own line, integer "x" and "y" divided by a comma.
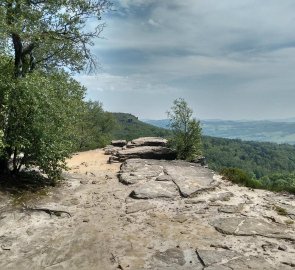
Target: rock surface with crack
{"x": 178, "y": 178}
{"x": 251, "y": 227}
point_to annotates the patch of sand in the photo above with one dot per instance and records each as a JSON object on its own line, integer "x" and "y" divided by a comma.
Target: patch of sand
{"x": 91, "y": 161}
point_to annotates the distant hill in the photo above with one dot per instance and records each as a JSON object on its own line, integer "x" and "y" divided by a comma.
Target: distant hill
{"x": 129, "y": 128}
{"x": 261, "y": 131}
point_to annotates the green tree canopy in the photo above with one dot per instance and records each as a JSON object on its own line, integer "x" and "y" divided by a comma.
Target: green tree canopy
{"x": 50, "y": 33}
{"x": 94, "y": 126}
{"x": 37, "y": 114}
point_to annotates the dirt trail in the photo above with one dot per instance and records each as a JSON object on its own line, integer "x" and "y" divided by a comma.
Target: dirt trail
{"x": 108, "y": 230}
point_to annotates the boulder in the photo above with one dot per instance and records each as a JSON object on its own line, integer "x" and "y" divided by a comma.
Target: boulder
{"x": 119, "y": 143}
{"x": 148, "y": 141}
{"x": 111, "y": 150}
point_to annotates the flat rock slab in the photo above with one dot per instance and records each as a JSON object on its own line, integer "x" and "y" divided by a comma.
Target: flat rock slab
{"x": 156, "y": 175}
{"x": 139, "y": 207}
{"x": 171, "y": 256}
{"x": 231, "y": 209}
{"x": 153, "y": 190}
{"x": 191, "y": 179}
{"x": 251, "y": 227}
{"x": 133, "y": 172}
{"x": 228, "y": 260}
{"x": 176, "y": 259}
{"x": 146, "y": 152}
{"x": 250, "y": 263}
{"x": 148, "y": 141}
{"x": 210, "y": 257}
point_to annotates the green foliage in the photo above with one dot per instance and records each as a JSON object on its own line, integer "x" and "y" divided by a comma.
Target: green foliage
{"x": 280, "y": 210}
{"x": 38, "y": 112}
{"x": 186, "y": 131}
{"x": 257, "y": 158}
{"x": 53, "y": 32}
{"x": 239, "y": 176}
{"x": 279, "y": 182}
{"x": 94, "y": 127}
{"x": 129, "y": 127}
{"x": 273, "y": 165}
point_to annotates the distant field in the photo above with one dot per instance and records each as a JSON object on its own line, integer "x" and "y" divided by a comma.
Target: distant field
{"x": 261, "y": 131}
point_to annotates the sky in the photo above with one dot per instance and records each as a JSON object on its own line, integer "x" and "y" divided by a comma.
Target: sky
{"x": 229, "y": 59}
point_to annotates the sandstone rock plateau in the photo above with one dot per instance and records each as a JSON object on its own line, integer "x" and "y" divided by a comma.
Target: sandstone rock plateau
{"x": 147, "y": 214}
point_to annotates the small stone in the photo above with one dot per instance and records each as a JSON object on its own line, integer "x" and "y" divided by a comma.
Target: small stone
{"x": 171, "y": 256}
{"x": 94, "y": 182}
{"x": 180, "y": 218}
{"x": 83, "y": 182}
{"x": 282, "y": 248}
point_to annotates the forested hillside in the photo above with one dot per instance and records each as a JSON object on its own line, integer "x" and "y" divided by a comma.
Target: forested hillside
{"x": 129, "y": 128}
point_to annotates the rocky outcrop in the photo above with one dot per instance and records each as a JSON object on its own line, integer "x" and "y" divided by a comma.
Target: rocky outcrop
{"x": 147, "y": 141}
{"x": 200, "y": 223}
{"x": 144, "y": 152}
{"x": 119, "y": 143}
{"x": 111, "y": 150}
{"x": 145, "y": 147}
{"x": 167, "y": 179}
{"x": 251, "y": 233}
{"x": 152, "y": 190}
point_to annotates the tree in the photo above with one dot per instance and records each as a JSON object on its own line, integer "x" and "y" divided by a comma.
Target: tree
{"x": 38, "y": 99}
{"x": 186, "y": 131}
{"x": 39, "y": 111}
{"x": 49, "y": 33}
{"x": 94, "y": 127}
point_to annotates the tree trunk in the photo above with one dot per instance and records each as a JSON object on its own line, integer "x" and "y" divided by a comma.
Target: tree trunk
{"x": 18, "y": 55}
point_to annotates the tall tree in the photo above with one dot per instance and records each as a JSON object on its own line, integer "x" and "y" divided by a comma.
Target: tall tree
{"x": 38, "y": 100}
{"x": 50, "y": 33}
{"x": 186, "y": 131}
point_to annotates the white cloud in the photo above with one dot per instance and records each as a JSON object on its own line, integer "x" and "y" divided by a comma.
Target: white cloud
{"x": 223, "y": 53}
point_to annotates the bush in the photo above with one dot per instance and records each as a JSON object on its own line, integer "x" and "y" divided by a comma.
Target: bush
{"x": 37, "y": 114}
{"x": 239, "y": 176}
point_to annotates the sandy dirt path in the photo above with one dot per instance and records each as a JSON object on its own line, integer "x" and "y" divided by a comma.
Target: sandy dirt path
{"x": 101, "y": 234}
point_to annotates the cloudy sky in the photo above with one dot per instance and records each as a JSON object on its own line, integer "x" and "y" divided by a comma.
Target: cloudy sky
{"x": 229, "y": 59}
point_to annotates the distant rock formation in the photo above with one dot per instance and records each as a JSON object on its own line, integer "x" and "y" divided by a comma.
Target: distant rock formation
{"x": 147, "y": 141}
{"x": 145, "y": 147}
